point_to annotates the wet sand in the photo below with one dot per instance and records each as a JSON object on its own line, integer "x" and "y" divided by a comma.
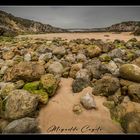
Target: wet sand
{"x": 70, "y": 36}
{"x": 57, "y": 116}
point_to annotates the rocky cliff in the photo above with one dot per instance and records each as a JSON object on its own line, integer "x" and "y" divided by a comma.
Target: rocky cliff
{"x": 10, "y": 24}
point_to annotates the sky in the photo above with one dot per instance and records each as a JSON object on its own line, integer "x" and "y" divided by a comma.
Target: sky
{"x": 76, "y": 16}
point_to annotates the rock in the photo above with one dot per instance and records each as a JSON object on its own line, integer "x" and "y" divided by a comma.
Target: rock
{"x": 19, "y": 104}
{"x": 106, "y": 86}
{"x": 126, "y": 82}
{"x": 83, "y": 73}
{"x": 34, "y": 56}
{"x": 109, "y": 104}
{"x": 3, "y": 69}
{"x": 87, "y": 101}
{"x": 37, "y": 89}
{"x": 117, "y": 97}
{"x": 9, "y": 63}
{"x": 134, "y": 92}
{"x": 70, "y": 58}
{"x": 7, "y": 55}
{"x": 59, "y": 51}
{"x": 77, "y": 109}
{"x": 6, "y": 89}
{"x": 27, "y": 57}
{"x": 3, "y": 124}
{"x": 19, "y": 84}
{"x": 50, "y": 83}
{"x": 45, "y": 57}
{"x": 136, "y": 62}
{"x": 130, "y": 72}
{"x": 107, "y": 47}
{"x": 27, "y": 71}
{"x": 93, "y": 67}
{"x": 81, "y": 57}
{"x": 79, "y": 84}
{"x": 118, "y": 61}
{"x": 42, "y": 95}
{"x": 1, "y": 62}
{"x": 110, "y": 67}
{"x": 55, "y": 68}
{"x": 104, "y": 58}
{"x": 120, "y": 110}
{"x": 93, "y": 51}
{"x": 117, "y": 53}
{"x": 24, "y": 125}
{"x": 0, "y": 105}
{"x": 18, "y": 58}
{"x": 42, "y": 49}
{"x": 74, "y": 69}
{"x": 131, "y": 122}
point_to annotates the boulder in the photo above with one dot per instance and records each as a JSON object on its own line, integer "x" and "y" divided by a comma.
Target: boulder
{"x": 3, "y": 124}
{"x": 59, "y": 51}
{"x": 81, "y": 57}
{"x": 45, "y": 57}
{"x": 92, "y": 51}
{"x": 134, "y": 92}
{"x": 74, "y": 69}
{"x": 120, "y": 110}
{"x": 117, "y": 53}
{"x": 7, "y": 55}
{"x": 27, "y": 57}
{"x": 6, "y": 89}
{"x": 79, "y": 84}
{"x": 110, "y": 67}
{"x": 130, "y": 72}
{"x": 70, "y": 58}
{"x": 131, "y": 122}
{"x": 93, "y": 67}
{"x": 50, "y": 83}
{"x": 24, "y": 125}
{"x": 55, "y": 68}
{"x": 3, "y": 69}
{"x": 87, "y": 101}
{"x": 106, "y": 86}
{"x": 37, "y": 89}
{"x": 83, "y": 73}
{"x": 27, "y": 71}
{"x": 19, "y": 104}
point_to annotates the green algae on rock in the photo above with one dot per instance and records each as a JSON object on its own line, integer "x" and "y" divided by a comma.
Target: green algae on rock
{"x": 50, "y": 83}
{"x": 36, "y": 88}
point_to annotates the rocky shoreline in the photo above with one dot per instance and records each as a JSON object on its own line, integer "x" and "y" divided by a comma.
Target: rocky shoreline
{"x": 31, "y": 69}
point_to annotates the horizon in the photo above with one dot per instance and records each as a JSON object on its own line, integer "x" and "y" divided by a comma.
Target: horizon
{"x": 76, "y": 17}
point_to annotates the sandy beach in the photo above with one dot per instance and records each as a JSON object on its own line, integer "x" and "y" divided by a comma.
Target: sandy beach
{"x": 110, "y": 36}
{"x": 58, "y": 114}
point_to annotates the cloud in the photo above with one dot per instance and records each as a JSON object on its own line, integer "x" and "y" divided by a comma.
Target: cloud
{"x": 76, "y": 16}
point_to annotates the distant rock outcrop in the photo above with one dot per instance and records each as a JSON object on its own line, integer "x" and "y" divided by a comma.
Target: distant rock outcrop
{"x": 11, "y": 25}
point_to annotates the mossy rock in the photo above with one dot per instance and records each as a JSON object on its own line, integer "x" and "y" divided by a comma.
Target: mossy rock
{"x": 104, "y": 57}
{"x": 36, "y": 88}
{"x": 50, "y": 83}
{"x": 109, "y": 104}
{"x": 130, "y": 72}
{"x": 43, "y": 95}
{"x": 32, "y": 86}
{"x": 117, "y": 113}
{"x": 93, "y": 51}
{"x": 6, "y": 89}
{"x": 131, "y": 122}
{"x": 120, "y": 45}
